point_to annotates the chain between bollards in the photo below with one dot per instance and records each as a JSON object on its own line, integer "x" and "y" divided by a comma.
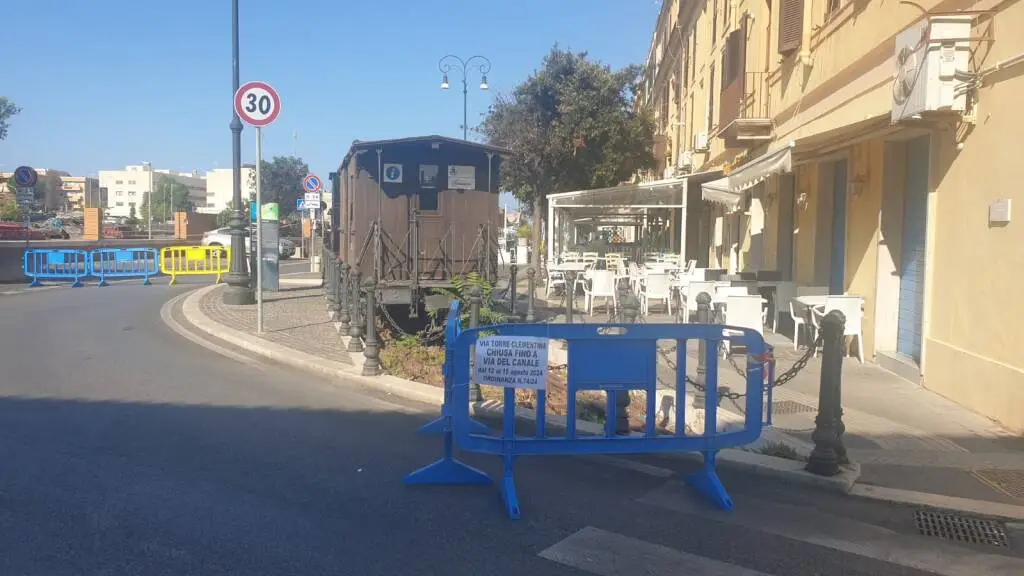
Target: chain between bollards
{"x": 371, "y": 365}
{"x": 475, "y": 300}
{"x": 829, "y": 452}
{"x": 355, "y": 333}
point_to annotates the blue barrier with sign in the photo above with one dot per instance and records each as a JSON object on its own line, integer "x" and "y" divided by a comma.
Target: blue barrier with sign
{"x": 452, "y": 330}
{"x": 124, "y": 263}
{"x": 617, "y": 359}
{"x": 43, "y": 264}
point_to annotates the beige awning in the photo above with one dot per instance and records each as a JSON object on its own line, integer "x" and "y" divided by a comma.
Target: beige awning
{"x": 729, "y": 190}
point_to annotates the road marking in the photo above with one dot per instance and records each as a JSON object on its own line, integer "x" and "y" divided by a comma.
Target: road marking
{"x": 813, "y": 526}
{"x": 650, "y": 470}
{"x": 609, "y": 554}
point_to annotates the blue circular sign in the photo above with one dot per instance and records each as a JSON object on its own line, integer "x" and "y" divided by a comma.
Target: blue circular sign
{"x": 25, "y": 177}
{"x": 393, "y": 173}
{"x": 311, "y": 183}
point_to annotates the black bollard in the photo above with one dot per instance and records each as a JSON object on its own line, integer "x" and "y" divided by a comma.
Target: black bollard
{"x": 703, "y": 317}
{"x": 630, "y": 312}
{"x": 371, "y": 366}
{"x": 512, "y": 290}
{"x": 343, "y": 292}
{"x": 355, "y": 333}
{"x": 570, "y": 295}
{"x": 475, "y": 300}
{"x": 531, "y": 289}
{"x": 829, "y": 451}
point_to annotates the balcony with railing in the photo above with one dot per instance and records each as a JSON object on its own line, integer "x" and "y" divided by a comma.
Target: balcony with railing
{"x": 744, "y": 115}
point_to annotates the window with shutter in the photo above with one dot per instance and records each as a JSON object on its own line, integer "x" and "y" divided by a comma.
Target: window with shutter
{"x": 791, "y": 25}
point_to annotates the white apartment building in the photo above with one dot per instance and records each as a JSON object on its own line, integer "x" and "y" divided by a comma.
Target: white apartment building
{"x": 219, "y": 188}
{"x": 128, "y": 188}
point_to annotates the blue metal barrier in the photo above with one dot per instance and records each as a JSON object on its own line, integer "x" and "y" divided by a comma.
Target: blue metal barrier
{"x": 452, "y": 330}
{"x": 45, "y": 264}
{"x": 124, "y": 263}
{"x": 601, "y": 357}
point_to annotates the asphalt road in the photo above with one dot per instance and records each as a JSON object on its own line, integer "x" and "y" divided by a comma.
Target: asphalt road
{"x": 128, "y": 449}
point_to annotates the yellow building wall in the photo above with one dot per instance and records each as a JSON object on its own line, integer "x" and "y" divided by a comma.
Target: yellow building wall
{"x": 973, "y": 336}
{"x": 864, "y": 205}
{"x": 805, "y": 224}
{"x": 771, "y": 225}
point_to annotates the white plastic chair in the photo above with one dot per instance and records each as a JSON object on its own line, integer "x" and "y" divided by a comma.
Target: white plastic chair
{"x": 742, "y": 311}
{"x": 853, "y": 308}
{"x": 656, "y": 287}
{"x": 784, "y": 293}
{"x": 602, "y": 285}
{"x": 800, "y": 320}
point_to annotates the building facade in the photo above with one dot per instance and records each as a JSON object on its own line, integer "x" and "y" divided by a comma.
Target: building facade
{"x": 81, "y": 191}
{"x": 49, "y": 182}
{"x": 128, "y": 188}
{"x": 868, "y": 148}
{"x": 220, "y": 186}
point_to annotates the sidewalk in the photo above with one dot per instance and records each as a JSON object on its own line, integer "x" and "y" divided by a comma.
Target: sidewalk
{"x": 904, "y": 437}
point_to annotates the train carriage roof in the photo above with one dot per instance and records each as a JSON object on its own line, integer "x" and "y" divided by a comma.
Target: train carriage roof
{"x": 358, "y": 145}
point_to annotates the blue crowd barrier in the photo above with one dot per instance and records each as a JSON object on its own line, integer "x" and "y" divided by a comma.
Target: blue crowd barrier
{"x": 615, "y": 358}
{"x": 452, "y": 330}
{"x": 47, "y": 264}
{"x": 124, "y": 263}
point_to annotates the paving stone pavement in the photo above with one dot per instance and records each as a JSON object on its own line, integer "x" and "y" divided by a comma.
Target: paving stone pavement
{"x": 295, "y": 318}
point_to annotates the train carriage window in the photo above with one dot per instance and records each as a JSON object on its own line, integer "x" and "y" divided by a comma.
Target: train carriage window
{"x": 428, "y": 200}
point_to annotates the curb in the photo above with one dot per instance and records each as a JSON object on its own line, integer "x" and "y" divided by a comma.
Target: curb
{"x": 1007, "y": 512}
{"x": 760, "y": 464}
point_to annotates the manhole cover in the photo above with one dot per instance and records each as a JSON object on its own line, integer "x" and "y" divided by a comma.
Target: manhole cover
{"x": 791, "y": 407}
{"x": 960, "y": 528}
{"x": 1009, "y": 482}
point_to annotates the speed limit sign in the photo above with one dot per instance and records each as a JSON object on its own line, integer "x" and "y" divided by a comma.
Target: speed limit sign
{"x": 257, "y": 104}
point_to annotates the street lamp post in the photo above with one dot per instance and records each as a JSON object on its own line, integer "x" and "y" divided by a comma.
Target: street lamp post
{"x": 238, "y": 291}
{"x": 451, "y": 63}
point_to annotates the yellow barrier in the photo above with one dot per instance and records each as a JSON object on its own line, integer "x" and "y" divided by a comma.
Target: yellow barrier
{"x": 195, "y": 261}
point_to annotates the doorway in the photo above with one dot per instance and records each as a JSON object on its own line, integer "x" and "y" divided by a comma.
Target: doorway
{"x": 837, "y": 269}
{"x": 912, "y": 260}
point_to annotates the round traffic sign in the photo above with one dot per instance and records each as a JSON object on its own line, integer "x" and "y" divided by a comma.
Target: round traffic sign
{"x": 311, "y": 183}
{"x": 25, "y": 177}
{"x": 257, "y": 104}
{"x": 393, "y": 173}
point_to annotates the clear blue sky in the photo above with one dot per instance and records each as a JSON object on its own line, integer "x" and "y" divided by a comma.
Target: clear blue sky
{"x": 104, "y": 83}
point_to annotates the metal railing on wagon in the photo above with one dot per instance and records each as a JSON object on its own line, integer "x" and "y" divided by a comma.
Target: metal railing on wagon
{"x": 615, "y": 358}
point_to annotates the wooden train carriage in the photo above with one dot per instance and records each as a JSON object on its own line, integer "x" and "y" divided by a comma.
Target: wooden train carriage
{"x": 417, "y": 212}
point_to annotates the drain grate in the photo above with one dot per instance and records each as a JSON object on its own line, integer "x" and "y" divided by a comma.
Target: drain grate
{"x": 1009, "y": 482}
{"x": 960, "y": 528}
{"x": 791, "y": 407}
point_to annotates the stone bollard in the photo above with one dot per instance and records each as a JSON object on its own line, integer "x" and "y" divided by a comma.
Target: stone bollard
{"x": 531, "y": 289}
{"x": 512, "y": 290}
{"x": 343, "y": 292}
{"x": 829, "y": 452}
{"x": 475, "y": 300}
{"x": 355, "y": 344}
{"x": 371, "y": 366}
{"x": 700, "y": 397}
{"x": 630, "y": 312}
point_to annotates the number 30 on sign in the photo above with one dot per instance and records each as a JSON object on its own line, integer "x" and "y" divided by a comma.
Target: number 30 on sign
{"x": 257, "y": 104}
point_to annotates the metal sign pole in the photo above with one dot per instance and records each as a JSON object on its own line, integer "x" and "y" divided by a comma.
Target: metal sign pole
{"x": 259, "y": 232}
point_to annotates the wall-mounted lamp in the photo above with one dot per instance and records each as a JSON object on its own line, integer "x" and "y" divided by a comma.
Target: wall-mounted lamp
{"x": 801, "y": 201}
{"x": 769, "y": 199}
{"x": 857, "y": 185}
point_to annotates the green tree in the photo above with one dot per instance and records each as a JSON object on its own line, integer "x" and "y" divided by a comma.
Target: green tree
{"x": 133, "y": 218}
{"x": 9, "y": 209}
{"x": 7, "y": 109}
{"x": 168, "y": 196}
{"x": 571, "y": 125}
{"x": 280, "y": 181}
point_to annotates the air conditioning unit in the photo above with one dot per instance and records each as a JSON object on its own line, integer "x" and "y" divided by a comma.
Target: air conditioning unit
{"x": 685, "y": 160}
{"x": 700, "y": 142}
{"x": 929, "y": 55}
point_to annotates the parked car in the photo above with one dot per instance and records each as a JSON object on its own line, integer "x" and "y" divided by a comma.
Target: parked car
{"x": 222, "y": 237}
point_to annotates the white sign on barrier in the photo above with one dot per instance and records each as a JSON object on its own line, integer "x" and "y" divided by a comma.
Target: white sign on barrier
{"x": 512, "y": 361}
